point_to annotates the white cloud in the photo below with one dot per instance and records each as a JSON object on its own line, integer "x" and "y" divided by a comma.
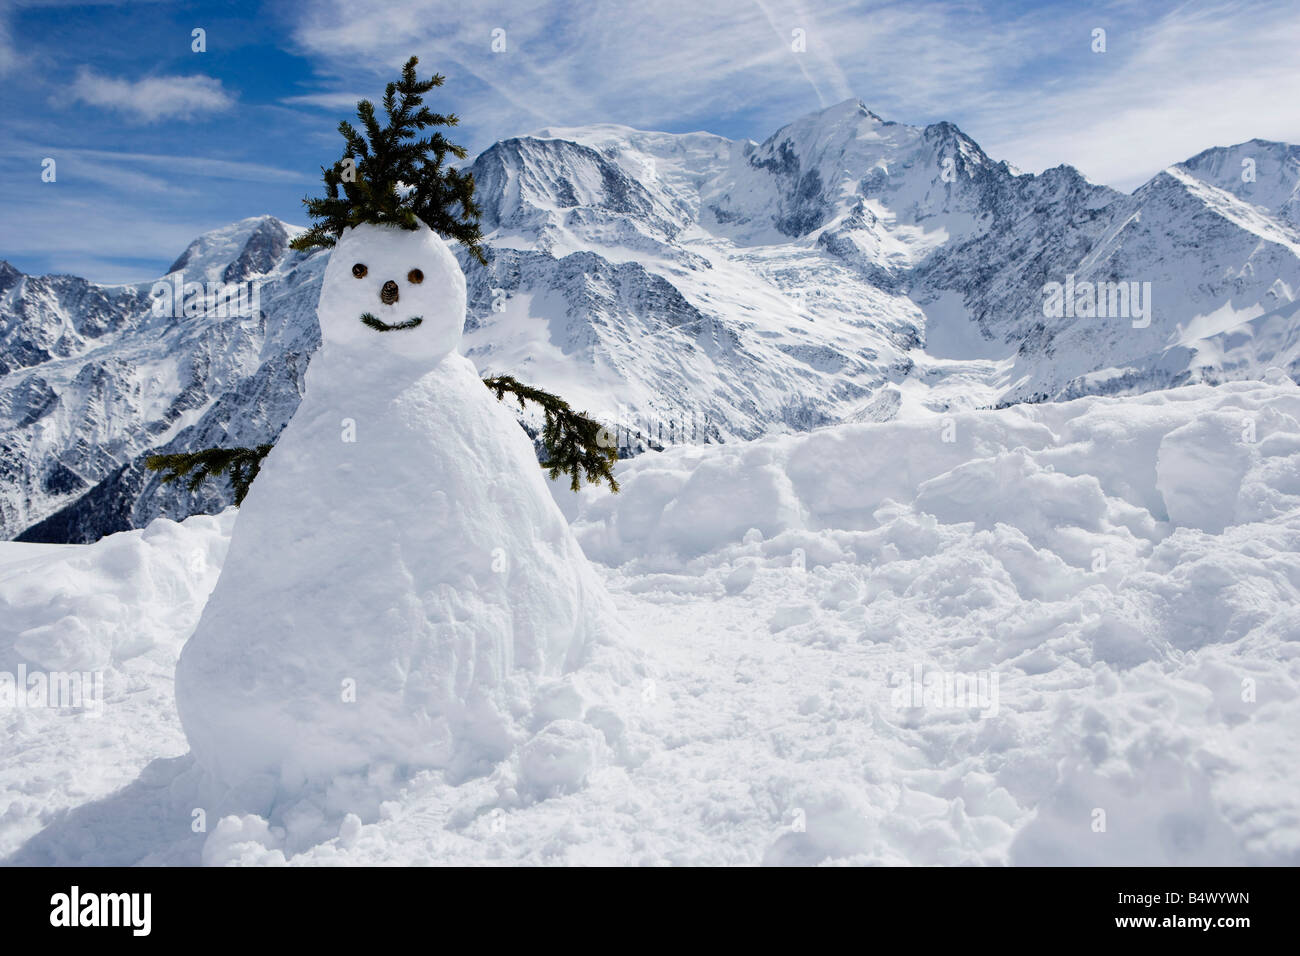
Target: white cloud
{"x": 152, "y": 98}
{"x": 641, "y": 64}
{"x": 677, "y": 63}
{"x": 101, "y": 239}
{"x": 199, "y": 166}
{"x": 8, "y": 55}
{"x": 1021, "y": 80}
{"x": 1197, "y": 77}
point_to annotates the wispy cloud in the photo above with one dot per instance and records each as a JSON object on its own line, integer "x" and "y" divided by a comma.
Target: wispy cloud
{"x": 1177, "y": 77}
{"x": 152, "y": 98}
{"x": 200, "y": 166}
{"x": 8, "y": 55}
{"x": 669, "y": 63}
{"x": 1022, "y": 80}
{"x": 679, "y": 64}
{"x": 1201, "y": 75}
{"x": 124, "y": 169}
{"x": 329, "y": 101}
{"x": 102, "y": 240}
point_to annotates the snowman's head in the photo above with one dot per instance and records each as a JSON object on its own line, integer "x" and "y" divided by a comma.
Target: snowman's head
{"x": 395, "y": 291}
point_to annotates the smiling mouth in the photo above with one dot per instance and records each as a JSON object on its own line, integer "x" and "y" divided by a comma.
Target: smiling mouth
{"x": 382, "y": 326}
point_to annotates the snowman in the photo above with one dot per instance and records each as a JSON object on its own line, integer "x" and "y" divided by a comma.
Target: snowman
{"x": 401, "y": 589}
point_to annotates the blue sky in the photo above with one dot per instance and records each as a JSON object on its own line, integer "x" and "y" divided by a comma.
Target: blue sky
{"x": 155, "y": 143}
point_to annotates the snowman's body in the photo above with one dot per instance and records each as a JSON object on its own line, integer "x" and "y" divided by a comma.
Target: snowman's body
{"x": 399, "y": 579}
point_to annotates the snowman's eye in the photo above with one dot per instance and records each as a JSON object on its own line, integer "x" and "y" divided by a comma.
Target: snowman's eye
{"x": 415, "y": 277}
{"x": 359, "y": 270}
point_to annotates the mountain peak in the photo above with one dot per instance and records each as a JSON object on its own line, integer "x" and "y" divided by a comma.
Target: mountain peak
{"x": 1260, "y": 172}
{"x": 849, "y": 115}
{"x": 248, "y": 246}
{"x": 850, "y": 109}
{"x": 688, "y": 277}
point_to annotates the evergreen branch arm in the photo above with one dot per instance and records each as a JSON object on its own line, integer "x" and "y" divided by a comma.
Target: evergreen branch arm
{"x": 240, "y": 464}
{"x": 576, "y": 445}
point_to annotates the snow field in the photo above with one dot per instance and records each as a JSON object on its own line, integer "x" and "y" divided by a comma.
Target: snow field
{"x": 1117, "y": 579}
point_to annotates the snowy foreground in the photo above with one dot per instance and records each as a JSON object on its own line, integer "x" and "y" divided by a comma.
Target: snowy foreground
{"x": 1111, "y": 588}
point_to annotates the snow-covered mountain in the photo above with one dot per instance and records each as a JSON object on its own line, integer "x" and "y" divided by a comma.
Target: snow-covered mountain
{"x": 689, "y": 288}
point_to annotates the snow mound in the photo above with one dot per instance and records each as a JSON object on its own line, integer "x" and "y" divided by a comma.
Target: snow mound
{"x": 1196, "y": 457}
{"x": 114, "y": 614}
{"x": 94, "y": 607}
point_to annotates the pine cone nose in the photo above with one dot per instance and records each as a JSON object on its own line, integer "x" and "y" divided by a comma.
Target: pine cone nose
{"x": 388, "y": 294}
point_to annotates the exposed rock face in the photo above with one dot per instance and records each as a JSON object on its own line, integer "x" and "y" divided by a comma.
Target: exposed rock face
{"x": 688, "y": 287}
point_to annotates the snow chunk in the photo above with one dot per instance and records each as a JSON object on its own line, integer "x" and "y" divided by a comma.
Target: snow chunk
{"x": 93, "y": 607}
{"x": 1200, "y": 468}
{"x": 559, "y": 758}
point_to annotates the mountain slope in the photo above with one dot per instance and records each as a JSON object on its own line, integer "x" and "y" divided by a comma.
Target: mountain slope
{"x": 686, "y": 287}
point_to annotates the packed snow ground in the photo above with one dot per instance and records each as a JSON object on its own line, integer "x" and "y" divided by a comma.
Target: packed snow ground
{"x": 1127, "y": 570}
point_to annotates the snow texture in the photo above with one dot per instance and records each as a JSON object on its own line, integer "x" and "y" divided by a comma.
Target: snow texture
{"x": 1126, "y": 568}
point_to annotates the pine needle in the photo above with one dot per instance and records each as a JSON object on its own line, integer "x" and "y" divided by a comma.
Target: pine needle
{"x": 240, "y": 464}
{"x": 576, "y": 445}
{"x": 394, "y": 175}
